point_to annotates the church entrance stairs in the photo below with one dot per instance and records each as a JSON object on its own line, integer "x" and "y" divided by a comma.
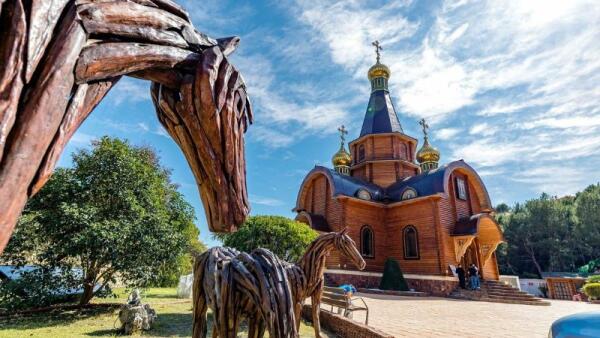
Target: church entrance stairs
{"x": 494, "y": 291}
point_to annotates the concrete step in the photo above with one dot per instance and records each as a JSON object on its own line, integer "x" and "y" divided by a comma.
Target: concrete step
{"x": 513, "y": 301}
{"x": 512, "y": 297}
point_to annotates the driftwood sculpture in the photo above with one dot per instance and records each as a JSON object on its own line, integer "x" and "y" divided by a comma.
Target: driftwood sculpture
{"x": 59, "y": 58}
{"x": 262, "y": 288}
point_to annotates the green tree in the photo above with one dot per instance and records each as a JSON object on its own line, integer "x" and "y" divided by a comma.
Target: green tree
{"x": 540, "y": 236}
{"x": 114, "y": 214}
{"x": 286, "y": 238}
{"x": 502, "y": 208}
{"x": 587, "y": 206}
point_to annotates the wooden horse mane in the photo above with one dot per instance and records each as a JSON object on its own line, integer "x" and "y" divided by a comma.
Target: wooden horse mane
{"x": 60, "y": 58}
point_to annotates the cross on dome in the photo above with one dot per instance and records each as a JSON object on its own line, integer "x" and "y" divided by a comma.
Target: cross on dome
{"x": 378, "y": 48}
{"x": 425, "y": 126}
{"x": 343, "y": 133}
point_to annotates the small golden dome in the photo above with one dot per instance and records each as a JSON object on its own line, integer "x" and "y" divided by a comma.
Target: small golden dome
{"x": 379, "y": 70}
{"x": 427, "y": 153}
{"x": 341, "y": 158}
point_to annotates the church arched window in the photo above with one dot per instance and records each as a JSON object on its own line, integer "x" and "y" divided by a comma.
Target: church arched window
{"x": 411, "y": 242}
{"x": 366, "y": 242}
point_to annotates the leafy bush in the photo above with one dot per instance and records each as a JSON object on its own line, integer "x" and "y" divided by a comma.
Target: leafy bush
{"x": 591, "y": 267}
{"x": 593, "y": 279}
{"x": 34, "y": 289}
{"x": 392, "y": 279}
{"x": 286, "y": 238}
{"x": 592, "y": 290}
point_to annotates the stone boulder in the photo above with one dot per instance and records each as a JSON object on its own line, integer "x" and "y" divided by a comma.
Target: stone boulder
{"x": 135, "y": 318}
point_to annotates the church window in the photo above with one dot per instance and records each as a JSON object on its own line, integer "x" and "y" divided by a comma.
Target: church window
{"x": 461, "y": 188}
{"x": 366, "y": 242}
{"x": 409, "y": 193}
{"x": 411, "y": 243}
{"x": 361, "y": 152}
{"x": 363, "y": 195}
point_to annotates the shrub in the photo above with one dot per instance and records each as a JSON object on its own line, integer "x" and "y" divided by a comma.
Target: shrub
{"x": 593, "y": 279}
{"x": 592, "y": 290}
{"x": 392, "y": 277}
{"x": 34, "y": 289}
{"x": 591, "y": 267}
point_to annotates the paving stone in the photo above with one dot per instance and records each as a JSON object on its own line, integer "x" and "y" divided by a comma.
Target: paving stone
{"x": 445, "y": 317}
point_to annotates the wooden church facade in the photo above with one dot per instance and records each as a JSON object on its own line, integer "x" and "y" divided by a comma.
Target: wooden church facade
{"x": 427, "y": 217}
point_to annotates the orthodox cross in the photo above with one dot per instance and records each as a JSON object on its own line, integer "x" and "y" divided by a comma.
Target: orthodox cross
{"x": 424, "y": 125}
{"x": 343, "y": 133}
{"x": 378, "y": 48}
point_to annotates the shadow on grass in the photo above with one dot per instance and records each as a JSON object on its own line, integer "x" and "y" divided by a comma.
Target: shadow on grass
{"x": 166, "y": 325}
{"x": 52, "y": 318}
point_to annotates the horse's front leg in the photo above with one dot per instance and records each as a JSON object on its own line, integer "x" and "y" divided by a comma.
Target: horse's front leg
{"x": 316, "y": 309}
{"x": 298, "y": 315}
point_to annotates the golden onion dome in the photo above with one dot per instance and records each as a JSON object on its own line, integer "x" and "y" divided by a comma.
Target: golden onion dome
{"x": 427, "y": 153}
{"x": 379, "y": 70}
{"x": 341, "y": 158}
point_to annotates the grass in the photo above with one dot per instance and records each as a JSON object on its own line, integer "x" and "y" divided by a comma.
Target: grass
{"x": 174, "y": 319}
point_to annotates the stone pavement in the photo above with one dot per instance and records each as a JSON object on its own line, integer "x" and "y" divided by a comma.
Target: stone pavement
{"x": 445, "y": 317}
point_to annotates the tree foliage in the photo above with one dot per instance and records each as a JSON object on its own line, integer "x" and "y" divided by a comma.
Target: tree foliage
{"x": 551, "y": 234}
{"x": 114, "y": 214}
{"x": 287, "y": 238}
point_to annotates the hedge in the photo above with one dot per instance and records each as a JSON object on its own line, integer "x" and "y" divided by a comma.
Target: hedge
{"x": 392, "y": 277}
{"x": 592, "y": 290}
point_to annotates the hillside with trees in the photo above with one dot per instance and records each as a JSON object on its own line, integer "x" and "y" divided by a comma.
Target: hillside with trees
{"x": 551, "y": 234}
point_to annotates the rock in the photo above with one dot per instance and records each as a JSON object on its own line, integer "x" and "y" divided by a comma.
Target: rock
{"x": 184, "y": 289}
{"x": 135, "y": 318}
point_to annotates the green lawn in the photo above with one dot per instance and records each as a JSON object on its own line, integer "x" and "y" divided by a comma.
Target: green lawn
{"x": 174, "y": 319}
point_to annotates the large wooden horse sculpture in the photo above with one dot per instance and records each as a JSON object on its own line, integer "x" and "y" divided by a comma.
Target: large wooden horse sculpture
{"x": 262, "y": 288}
{"x": 59, "y": 58}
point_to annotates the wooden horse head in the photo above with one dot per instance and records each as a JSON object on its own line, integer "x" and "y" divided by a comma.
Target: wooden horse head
{"x": 345, "y": 245}
{"x": 60, "y": 58}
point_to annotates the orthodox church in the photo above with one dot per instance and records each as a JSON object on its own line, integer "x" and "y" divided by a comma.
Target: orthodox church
{"x": 399, "y": 202}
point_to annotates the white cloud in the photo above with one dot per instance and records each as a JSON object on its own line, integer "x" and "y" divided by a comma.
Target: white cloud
{"x": 143, "y": 126}
{"x": 267, "y": 201}
{"x": 554, "y": 180}
{"x": 129, "y": 90}
{"x": 525, "y": 72}
{"x": 270, "y": 137}
{"x": 81, "y": 138}
{"x": 483, "y": 129}
{"x": 446, "y": 133}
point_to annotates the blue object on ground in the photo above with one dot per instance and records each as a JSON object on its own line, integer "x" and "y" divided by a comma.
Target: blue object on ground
{"x": 348, "y": 288}
{"x": 579, "y": 325}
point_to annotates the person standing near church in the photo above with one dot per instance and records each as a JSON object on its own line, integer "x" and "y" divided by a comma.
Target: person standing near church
{"x": 461, "y": 276}
{"x": 474, "y": 277}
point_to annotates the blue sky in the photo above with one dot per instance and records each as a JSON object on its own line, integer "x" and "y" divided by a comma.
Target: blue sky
{"x": 510, "y": 87}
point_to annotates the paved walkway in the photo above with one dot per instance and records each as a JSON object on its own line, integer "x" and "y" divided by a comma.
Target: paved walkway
{"x": 444, "y": 317}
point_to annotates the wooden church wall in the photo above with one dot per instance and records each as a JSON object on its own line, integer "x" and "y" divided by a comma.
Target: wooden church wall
{"x": 463, "y": 207}
{"x": 357, "y": 215}
{"x": 447, "y": 221}
{"x": 384, "y": 173}
{"x": 320, "y": 195}
{"x": 420, "y": 215}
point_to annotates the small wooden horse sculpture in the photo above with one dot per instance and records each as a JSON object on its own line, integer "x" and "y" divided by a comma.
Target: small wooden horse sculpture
{"x": 238, "y": 285}
{"x": 306, "y": 277}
